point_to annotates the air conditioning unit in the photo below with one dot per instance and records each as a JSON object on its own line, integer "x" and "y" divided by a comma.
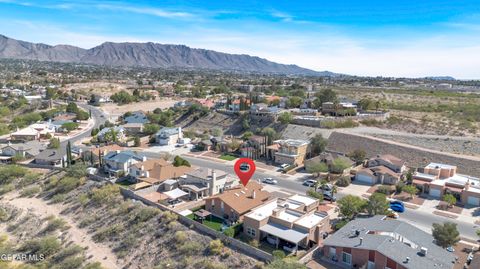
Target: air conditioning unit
{"x": 423, "y": 251}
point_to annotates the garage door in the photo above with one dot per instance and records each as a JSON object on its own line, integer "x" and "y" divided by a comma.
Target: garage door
{"x": 435, "y": 192}
{"x": 471, "y": 200}
{"x": 364, "y": 179}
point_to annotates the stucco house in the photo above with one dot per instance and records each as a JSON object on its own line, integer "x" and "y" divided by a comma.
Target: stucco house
{"x": 169, "y": 135}
{"x": 291, "y": 151}
{"x": 118, "y": 162}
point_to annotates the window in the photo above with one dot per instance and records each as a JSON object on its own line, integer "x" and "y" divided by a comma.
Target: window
{"x": 346, "y": 258}
{"x": 371, "y": 265}
{"x": 251, "y": 231}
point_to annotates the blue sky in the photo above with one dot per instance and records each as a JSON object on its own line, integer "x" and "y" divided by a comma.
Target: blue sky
{"x": 409, "y": 38}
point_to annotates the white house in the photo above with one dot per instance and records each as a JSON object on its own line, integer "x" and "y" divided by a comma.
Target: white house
{"x": 169, "y": 135}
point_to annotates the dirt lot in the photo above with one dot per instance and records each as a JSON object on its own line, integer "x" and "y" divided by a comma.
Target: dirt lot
{"x": 116, "y": 110}
{"x": 98, "y": 87}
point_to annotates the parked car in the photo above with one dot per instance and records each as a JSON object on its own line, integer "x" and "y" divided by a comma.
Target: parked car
{"x": 450, "y": 249}
{"x": 309, "y": 183}
{"x": 397, "y": 206}
{"x": 270, "y": 180}
{"x": 329, "y": 197}
{"x": 284, "y": 166}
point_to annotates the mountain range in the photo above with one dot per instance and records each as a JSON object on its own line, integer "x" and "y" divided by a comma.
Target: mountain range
{"x": 152, "y": 55}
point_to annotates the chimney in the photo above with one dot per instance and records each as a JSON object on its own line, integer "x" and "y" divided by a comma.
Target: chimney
{"x": 214, "y": 175}
{"x": 361, "y": 240}
{"x": 253, "y": 194}
{"x": 407, "y": 259}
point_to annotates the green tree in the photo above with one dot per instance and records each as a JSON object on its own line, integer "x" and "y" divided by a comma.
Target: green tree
{"x": 137, "y": 141}
{"x": 270, "y": 135}
{"x": 150, "y": 128}
{"x": 69, "y": 126}
{"x": 247, "y": 135}
{"x": 410, "y": 189}
{"x": 294, "y": 102}
{"x": 317, "y": 144}
{"x": 72, "y": 108}
{"x": 94, "y": 132}
{"x": 285, "y": 117}
{"x": 313, "y": 193}
{"x": 351, "y": 205}
{"x": 318, "y": 167}
{"x": 377, "y": 204}
{"x": 358, "y": 156}
{"x": 445, "y": 234}
{"x": 325, "y": 95}
{"x": 179, "y": 161}
{"x": 449, "y": 199}
{"x": 54, "y": 143}
{"x": 339, "y": 165}
{"x": 69, "y": 154}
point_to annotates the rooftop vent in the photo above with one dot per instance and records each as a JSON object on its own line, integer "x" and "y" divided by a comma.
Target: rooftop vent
{"x": 407, "y": 259}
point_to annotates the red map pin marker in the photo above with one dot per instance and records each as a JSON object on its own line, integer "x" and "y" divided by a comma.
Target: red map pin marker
{"x": 244, "y": 168}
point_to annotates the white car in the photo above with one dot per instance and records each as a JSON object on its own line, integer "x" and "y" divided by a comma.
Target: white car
{"x": 284, "y": 166}
{"x": 270, "y": 180}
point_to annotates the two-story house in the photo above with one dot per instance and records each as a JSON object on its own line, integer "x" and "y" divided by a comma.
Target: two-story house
{"x": 204, "y": 182}
{"x": 291, "y": 151}
{"x": 169, "y": 135}
{"x": 154, "y": 171}
{"x": 288, "y": 224}
{"x": 117, "y": 162}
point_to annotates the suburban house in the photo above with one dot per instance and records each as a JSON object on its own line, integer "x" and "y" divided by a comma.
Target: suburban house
{"x": 438, "y": 179}
{"x": 58, "y": 125}
{"x": 118, "y": 162}
{"x": 99, "y": 152}
{"x": 204, "y": 182}
{"x": 290, "y": 151}
{"x": 393, "y": 163}
{"x": 339, "y": 109}
{"x": 254, "y": 147}
{"x": 133, "y": 128}
{"x": 236, "y": 105}
{"x": 54, "y": 157}
{"x": 379, "y": 242}
{"x": 25, "y": 150}
{"x": 136, "y": 117}
{"x": 154, "y": 171}
{"x": 232, "y": 204}
{"x": 263, "y": 111}
{"x": 105, "y": 134}
{"x": 287, "y": 224}
{"x": 225, "y": 143}
{"x": 383, "y": 169}
{"x": 33, "y": 132}
{"x": 169, "y": 135}
{"x": 331, "y": 159}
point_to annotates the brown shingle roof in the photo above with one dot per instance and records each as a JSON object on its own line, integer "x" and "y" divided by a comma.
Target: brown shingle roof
{"x": 105, "y": 149}
{"x": 392, "y": 159}
{"x": 241, "y": 198}
{"x": 160, "y": 170}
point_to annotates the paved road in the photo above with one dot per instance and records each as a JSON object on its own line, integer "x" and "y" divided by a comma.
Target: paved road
{"x": 417, "y": 218}
{"x": 420, "y": 219}
{"x": 98, "y": 117}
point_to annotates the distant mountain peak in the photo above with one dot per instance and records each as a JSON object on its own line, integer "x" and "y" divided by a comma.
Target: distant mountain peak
{"x": 148, "y": 54}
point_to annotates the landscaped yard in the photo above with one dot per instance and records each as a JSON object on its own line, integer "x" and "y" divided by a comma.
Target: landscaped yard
{"x": 211, "y": 221}
{"x": 227, "y": 157}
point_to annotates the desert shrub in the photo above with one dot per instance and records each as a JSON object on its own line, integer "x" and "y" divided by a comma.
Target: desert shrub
{"x": 58, "y": 198}
{"x": 180, "y": 236}
{"x": 67, "y": 252}
{"x": 254, "y": 243}
{"x": 215, "y": 247}
{"x": 343, "y": 181}
{"x": 72, "y": 262}
{"x": 127, "y": 243}
{"x": 29, "y": 179}
{"x": 6, "y": 188}
{"x": 190, "y": 248}
{"x": 106, "y": 194}
{"x": 144, "y": 214}
{"x": 30, "y": 192}
{"x": 87, "y": 221}
{"x": 168, "y": 217}
{"x": 108, "y": 232}
{"x": 4, "y": 215}
{"x": 95, "y": 265}
{"x": 46, "y": 246}
{"x": 55, "y": 224}
{"x": 385, "y": 189}
{"x": 77, "y": 170}
{"x": 83, "y": 199}
{"x": 67, "y": 184}
{"x": 278, "y": 254}
{"x": 10, "y": 172}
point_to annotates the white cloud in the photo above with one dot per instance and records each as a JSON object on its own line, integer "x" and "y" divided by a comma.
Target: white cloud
{"x": 147, "y": 11}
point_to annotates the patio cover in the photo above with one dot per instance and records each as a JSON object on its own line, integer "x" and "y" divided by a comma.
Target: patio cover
{"x": 284, "y": 233}
{"x": 175, "y": 193}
